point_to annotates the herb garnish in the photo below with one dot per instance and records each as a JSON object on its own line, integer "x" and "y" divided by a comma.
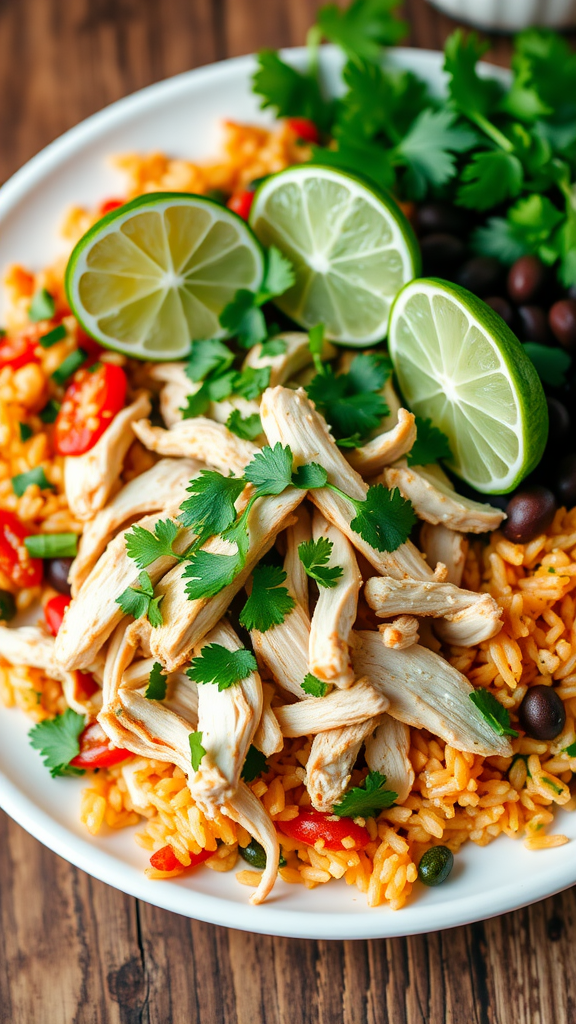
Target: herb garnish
{"x": 314, "y": 555}
{"x": 57, "y": 739}
{"x": 269, "y": 602}
{"x": 313, "y": 686}
{"x": 367, "y": 800}
{"x": 491, "y": 709}
{"x": 254, "y": 765}
{"x": 217, "y": 664}
{"x": 157, "y": 682}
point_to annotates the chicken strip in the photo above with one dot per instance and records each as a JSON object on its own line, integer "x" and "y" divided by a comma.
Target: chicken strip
{"x": 440, "y": 544}
{"x": 90, "y": 479}
{"x": 187, "y": 621}
{"x": 387, "y": 752}
{"x": 385, "y": 448}
{"x": 425, "y": 691}
{"x": 178, "y": 387}
{"x": 435, "y": 500}
{"x": 199, "y": 438}
{"x": 335, "y": 611}
{"x": 468, "y": 617}
{"x": 332, "y": 758}
{"x": 290, "y": 418}
{"x": 227, "y": 720}
{"x": 297, "y": 580}
{"x": 147, "y": 728}
{"x": 162, "y": 486}
{"x": 268, "y": 737}
{"x": 246, "y": 810}
{"x": 400, "y": 633}
{"x": 339, "y": 708}
{"x": 119, "y": 655}
{"x": 34, "y": 647}
{"x": 283, "y": 650}
{"x": 287, "y": 364}
{"x": 181, "y": 693}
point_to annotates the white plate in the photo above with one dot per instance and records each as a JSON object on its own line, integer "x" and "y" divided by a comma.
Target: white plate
{"x": 180, "y": 116}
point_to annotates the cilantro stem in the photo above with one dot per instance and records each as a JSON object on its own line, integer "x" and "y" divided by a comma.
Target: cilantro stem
{"x": 492, "y": 132}
{"x": 313, "y": 40}
{"x": 354, "y": 501}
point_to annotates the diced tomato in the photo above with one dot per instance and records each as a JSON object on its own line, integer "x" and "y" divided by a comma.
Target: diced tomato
{"x": 54, "y": 612}
{"x": 18, "y": 349}
{"x": 305, "y": 129}
{"x": 96, "y": 750}
{"x": 15, "y": 562}
{"x": 241, "y": 203}
{"x": 90, "y": 404}
{"x": 310, "y": 826}
{"x": 86, "y": 684}
{"x": 166, "y": 860}
{"x": 110, "y": 204}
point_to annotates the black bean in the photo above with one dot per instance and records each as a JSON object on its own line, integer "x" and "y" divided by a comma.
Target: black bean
{"x": 7, "y": 606}
{"x": 559, "y": 420}
{"x": 441, "y": 254}
{"x": 533, "y": 325}
{"x": 562, "y": 320}
{"x": 434, "y": 217}
{"x": 525, "y": 278}
{"x": 541, "y": 713}
{"x": 56, "y": 572}
{"x": 566, "y": 480}
{"x": 502, "y": 307}
{"x": 435, "y": 865}
{"x": 530, "y": 513}
{"x": 481, "y": 274}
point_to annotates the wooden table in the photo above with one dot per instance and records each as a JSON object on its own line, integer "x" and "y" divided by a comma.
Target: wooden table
{"x": 74, "y": 951}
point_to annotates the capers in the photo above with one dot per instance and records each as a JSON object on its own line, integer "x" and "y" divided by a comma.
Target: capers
{"x": 435, "y": 865}
{"x": 255, "y": 855}
{"x": 7, "y": 606}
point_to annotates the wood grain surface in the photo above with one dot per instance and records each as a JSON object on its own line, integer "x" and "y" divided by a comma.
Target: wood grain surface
{"x": 74, "y": 951}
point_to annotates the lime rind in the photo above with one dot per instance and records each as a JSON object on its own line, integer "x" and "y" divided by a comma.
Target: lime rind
{"x": 154, "y": 275}
{"x": 459, "y": 364}
{"x": 351, "y": 246}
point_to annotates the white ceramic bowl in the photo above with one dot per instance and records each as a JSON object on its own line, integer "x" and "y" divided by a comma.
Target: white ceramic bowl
{"x": 181, "y": 117}
{"x": 510, "y": 15}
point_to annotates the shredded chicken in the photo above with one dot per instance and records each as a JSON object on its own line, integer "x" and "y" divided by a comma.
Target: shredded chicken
{"x": 34, "y": 647}
{"x": 339, "y": 708}
{"x": 400, "y": 633}
{"x": 296, "y": 578}
{"x": 290, "y": 418}
{"x": 283, "y": 649}
{"x": 295, "y": 358}
{"x": 425, "y": 691}
{"x": 247, "y": 810}
{"x": 162, "y": 486}
{"x": 332, "y": 758}
{"x": 440, "y": 544}
{"x": 227, "y": 720}
{"x": 335, "y": 611}
{"x": 90, "y": 479}
{"x": 268, "y": 737}
{"x": 385, "y": 448}
{"x": 199, "y": 438}
{"x": 178, "y": 387}
{"x": 468, "y": 617}
{"x": 435, "y": 500}
{"x": 387, "y": 752}
{"x": 181, "y": 692}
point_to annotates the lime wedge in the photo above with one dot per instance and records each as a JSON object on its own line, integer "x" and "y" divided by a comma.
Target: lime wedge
{"x": 154, "y": 275}
{"x": 351, "y": 246}
{"x": 458, "y": 364}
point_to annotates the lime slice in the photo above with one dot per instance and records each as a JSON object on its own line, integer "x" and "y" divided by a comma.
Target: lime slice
{"x": 458, "y": 364}
{"x": 351, "y": 246}
{"x": 154, "y": 275}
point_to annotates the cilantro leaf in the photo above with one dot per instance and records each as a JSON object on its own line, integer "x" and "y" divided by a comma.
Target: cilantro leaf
{"x": 316, "y": 344}
{"x": 139, "y": 601}
{"x": 208, "y": 573}
{"x": 254, "y": 765}
{"x": 246, "y": 427}
{"x": 214, "y": 389}
{"x": 491, "y": 177}
{"x": 244, "y": 319}
{"x": 270, "y": 471}
{"x": 491, "y": 709}
{"x": 310, "y": 476}
{"x": 210, "y": 509}
{"x": 279, "y": 276}
{"x": 206, "y": 357}
{"x": 42, "y": 307}
{"x": 551, "y": 364}
{"x": 218, "y": 665}
{"x": 429, "y": 148}
{"x": 363, "y": 28}
{"x": 384, "y": 519}
{"x": 314, "y": 687}
{"x": 351, "y": 401}
{"x": 289, "y": 92}
{"x": 197, "y": 751}
{"x": 269, "y": 603}
{"x": 570, "y": 750}
{"x": 360, "y": 155}
{"x": 354, "y": 441}
{"x": 368, "y": 372}
{"x": 273, "y": 347}
{"x": 58, "y": 740}
{"x": 144, "y": 547}
{"x": 36, "y": 476}
{"x": 156, "y": 689}
{"x": 430, "y": 445}
{"x": 475, "y": 97}
{"x": 315, "y": 555}
{"x": 367, "y": 800}
{"x": 252, "y": 381}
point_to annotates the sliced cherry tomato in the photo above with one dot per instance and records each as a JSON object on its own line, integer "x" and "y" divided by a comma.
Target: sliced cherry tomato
{"x": 54, "y": 612}
{"x": 88, "y": 343}
{"x": 90, "y": 404}
{"x": 96, "y": 750}
{"x": 18, "y": 349}
{"x": 310, "y": 826}
{"x": 15, "y": 562}
{"x": 241, "y": 203}
{"x": 86, "y": 684}
{"x": 166, "y": 860}
{"x": 110, "y": 204}
{"x": 305, "y": 129}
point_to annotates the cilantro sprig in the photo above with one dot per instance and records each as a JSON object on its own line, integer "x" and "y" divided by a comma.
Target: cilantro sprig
{"x": 216, "y": 664}
{"x": 255, "y": 764}
{"x": 140, "y": 601}
{"x": 367, "y": 800}
{"x": 157, "y": 683}
{"x": 315, "y": 555}
{"x": 430, "y": 445}
{"x": 493, "y": 712}
{"x": 269, "y": 602}
{"x": 351, "y": 402}
{"x": 58, "y": 740}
